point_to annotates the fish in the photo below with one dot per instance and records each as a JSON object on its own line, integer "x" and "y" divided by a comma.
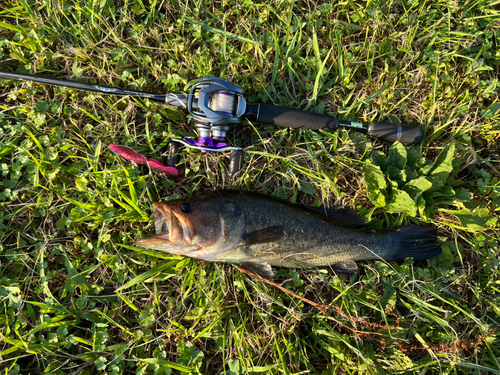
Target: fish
{"x": 260, "y": 232}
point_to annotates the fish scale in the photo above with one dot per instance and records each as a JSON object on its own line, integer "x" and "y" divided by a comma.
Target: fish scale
{"x": 310, "y": 239}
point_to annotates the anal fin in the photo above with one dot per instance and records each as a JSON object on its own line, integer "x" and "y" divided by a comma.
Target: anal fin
{"x": 263, "y": 269}
{"x": 347, "y": 267}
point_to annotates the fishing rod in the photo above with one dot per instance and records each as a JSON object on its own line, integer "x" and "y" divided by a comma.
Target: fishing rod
{"x": 215, "y": 105}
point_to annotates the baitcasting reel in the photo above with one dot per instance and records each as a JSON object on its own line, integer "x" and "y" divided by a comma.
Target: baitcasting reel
{"x": 214, "y": 105}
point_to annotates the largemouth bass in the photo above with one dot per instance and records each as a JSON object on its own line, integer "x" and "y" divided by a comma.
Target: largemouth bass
{"x": 260, "y": 232}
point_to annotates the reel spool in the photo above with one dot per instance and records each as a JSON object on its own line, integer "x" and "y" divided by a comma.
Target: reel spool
{"x": 215, "y": 105}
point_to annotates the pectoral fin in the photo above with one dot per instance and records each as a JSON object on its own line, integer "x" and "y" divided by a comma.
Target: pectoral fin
{"x": 347, "y": 267}
{"x": 265, "y": 235}
{"x": 263, "y": 269}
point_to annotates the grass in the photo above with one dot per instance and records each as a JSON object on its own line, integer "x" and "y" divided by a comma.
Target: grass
{"x": 77, "y": 298}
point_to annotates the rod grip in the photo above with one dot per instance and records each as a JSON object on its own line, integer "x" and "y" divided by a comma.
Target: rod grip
{"x": 173, "y": 157}
{"x": 393, "y": 132}
{"x": 293, "y": 118}
{"x": 236, "y": 162}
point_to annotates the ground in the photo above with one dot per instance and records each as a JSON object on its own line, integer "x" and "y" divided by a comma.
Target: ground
{"x": 78, "y": 298}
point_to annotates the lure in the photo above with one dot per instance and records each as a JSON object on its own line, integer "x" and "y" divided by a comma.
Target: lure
{"x": 137, "y": 158}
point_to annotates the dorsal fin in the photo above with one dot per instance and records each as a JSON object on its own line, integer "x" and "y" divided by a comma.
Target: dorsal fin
{"x": 342, "y": 216}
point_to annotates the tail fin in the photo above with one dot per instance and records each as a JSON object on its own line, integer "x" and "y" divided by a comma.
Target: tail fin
{"x": 416, "y": 241}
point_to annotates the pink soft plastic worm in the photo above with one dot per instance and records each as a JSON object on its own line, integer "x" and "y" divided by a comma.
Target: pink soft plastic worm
{"x": 128, "y": 154}
{"x": 134, "y": 157}
{"x": 155, "y": 164}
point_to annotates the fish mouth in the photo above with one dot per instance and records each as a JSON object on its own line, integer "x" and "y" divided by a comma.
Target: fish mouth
{"x": 171, "y": 220}
{"x": 173, "y": 229}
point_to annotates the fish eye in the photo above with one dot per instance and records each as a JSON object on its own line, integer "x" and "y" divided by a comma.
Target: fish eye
{"x": 186, "y": 207}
